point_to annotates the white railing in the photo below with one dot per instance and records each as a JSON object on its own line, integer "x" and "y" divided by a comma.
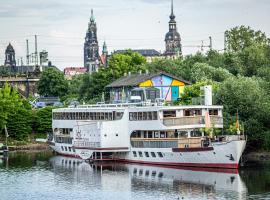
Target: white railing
{"x": 193, "y": 120}
{"x": 87, "y": 144}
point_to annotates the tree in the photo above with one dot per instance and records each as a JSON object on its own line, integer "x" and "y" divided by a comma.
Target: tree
{"x": 10, "y": 101}
{"x": 43, "y": 120}
{"x": 239, "y": 38}
{"x": 52, "y": 83}
{"x": 252, "y": 102}
{"x": 93, "y": 85}
{"x": 19, "y": 124}
{"x": 121, "y": 63}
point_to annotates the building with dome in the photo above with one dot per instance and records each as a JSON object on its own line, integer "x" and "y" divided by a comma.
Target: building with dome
{"x": 172, "y": 39}
{"x": 10, "y": 60}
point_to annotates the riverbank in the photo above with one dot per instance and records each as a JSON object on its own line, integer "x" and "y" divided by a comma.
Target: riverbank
{"x": 30, "y": 147}
{"x": 257, "y": 156}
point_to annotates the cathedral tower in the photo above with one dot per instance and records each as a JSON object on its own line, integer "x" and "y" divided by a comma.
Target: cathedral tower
{"x": 10, "y": 56}
{"x": 172, "y": 38}
{"x": 91, "y": 51}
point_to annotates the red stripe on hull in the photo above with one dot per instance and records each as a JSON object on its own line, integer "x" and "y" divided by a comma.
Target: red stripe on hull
{"x": 207, "y": 165}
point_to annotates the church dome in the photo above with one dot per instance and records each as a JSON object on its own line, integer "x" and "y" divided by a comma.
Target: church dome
{"x": 172, "y": 35}
{"x": 9, "y": 48}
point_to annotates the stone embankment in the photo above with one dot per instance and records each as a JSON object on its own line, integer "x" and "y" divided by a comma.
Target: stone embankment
{"x": 30, "y": 147}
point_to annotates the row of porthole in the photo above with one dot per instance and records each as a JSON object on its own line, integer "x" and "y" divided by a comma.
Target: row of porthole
{"x": 153, "y": 154}
{"x": 67, "y": 149}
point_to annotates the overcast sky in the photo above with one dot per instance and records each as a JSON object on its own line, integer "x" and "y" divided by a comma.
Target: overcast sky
{"x": 61, "y": 24}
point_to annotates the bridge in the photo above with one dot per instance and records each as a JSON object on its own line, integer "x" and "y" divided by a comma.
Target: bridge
{"x": 26, "y": 85}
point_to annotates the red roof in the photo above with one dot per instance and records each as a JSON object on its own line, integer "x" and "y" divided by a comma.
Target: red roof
{"x": 74, "y": 70}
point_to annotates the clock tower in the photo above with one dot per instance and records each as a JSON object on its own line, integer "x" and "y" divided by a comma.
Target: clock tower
{"x": 172, "y": 39}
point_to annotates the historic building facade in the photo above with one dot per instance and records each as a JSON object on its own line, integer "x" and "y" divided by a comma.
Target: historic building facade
{"x": 91, "y": 49}
{"x": 172, "y": 39}
{"x": 10, "y": 60}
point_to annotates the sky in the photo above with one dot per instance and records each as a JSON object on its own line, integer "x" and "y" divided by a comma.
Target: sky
{"x": 60, "y": 25}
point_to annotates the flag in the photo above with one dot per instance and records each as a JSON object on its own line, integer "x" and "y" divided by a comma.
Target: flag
{"x": 207, "y": 120}
{"x": 237, "y": 125}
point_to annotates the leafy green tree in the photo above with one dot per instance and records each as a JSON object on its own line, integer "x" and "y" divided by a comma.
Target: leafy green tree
{"x": 121, "y": 63}
{"x": 10, "y": 101}
{"x": 19, "y": 124}
{"x": 43, "y": 120}
{"x": 252, "y": 102}
{"x": 52, "y": 83}
{"x": 241, "y": 37}
{"x": 93, "y": 85}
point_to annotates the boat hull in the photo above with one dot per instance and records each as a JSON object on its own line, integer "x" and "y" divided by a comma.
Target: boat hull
{"x": 220, "y": 155}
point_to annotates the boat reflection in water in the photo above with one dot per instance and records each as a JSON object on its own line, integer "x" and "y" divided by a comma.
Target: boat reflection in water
{"x": 136, "y": 179}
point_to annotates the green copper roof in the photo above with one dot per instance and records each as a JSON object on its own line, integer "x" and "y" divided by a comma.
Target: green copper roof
{"x": 92, "y": 18}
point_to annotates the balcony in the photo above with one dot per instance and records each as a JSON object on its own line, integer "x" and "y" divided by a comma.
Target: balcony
{"x": 192, "y": 120}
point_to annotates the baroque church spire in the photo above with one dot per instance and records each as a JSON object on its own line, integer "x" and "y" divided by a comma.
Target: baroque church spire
{"x": 172, "y": 38}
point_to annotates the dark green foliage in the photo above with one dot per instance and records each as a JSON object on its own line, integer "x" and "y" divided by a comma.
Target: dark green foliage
{"x": 43, "y": 120}
{"x": 52, "y": 83}
{"x": 19, "y": 123}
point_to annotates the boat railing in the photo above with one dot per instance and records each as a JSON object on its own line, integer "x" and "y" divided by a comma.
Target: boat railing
{"x": 87, "y": 144}
{"x": 192, "y": 120}
{"x": 116, "y": 105}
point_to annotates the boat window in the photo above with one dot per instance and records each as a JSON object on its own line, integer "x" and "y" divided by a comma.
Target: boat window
{"x": 153, "y": 154}
{"x": 195, "y": 133}
{"x": 146, "y": 154}
{"x": 187, "y": 113}
{"x": 119, "y": 115}
{"x": 62, "y": 148}
{"x": 69, "y": 148}
{"x": 135, "y": 116}
{"x": 147, "y": 173}
{"x": 197, "y": 112}
{"x": 169, "y": 113}
{"x": 213, "y": 112}
{"x": 140, "y": 154}
{"x": 160, "y": 154}
{"x": 182, "y": 133}
{"x": 134, "y": 154}
{"x": 65, "y": 148}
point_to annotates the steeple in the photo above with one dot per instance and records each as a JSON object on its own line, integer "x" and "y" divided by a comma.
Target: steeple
{"x": 172, "y": 16}
{"x": 92, "y": 18}
{"x": 91, "y": 49}
{"x": 172, "y": 38}
{"x": 104, "y": 49}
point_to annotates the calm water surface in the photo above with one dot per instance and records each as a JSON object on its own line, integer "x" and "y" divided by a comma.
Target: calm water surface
{"x": 42, "y": 175}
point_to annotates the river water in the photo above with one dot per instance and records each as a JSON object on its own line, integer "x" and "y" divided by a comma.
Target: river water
{"x": 44, "y": 176}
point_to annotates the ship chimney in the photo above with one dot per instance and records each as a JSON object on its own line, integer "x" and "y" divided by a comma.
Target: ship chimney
{"x": 207, "y": 95}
